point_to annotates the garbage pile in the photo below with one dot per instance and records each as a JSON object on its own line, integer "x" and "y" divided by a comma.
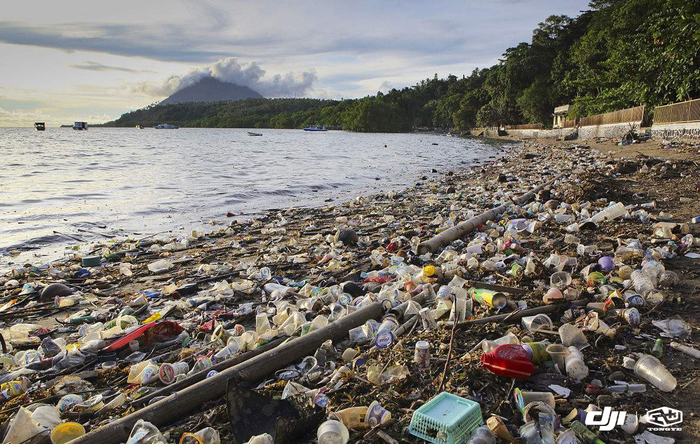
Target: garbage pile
{"x": 549, "y": 323}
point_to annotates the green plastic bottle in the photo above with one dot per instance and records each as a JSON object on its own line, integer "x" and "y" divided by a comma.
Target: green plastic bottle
{"x": 584, "y": 434}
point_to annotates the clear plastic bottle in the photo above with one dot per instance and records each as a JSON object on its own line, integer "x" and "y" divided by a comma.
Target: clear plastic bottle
{"x": 642, "y": 282}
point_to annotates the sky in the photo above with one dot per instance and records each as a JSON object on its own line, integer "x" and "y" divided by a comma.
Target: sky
{"x": 70, "y": 60}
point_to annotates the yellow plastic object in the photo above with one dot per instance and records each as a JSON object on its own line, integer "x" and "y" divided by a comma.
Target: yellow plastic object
{"x": 66, "y": 432}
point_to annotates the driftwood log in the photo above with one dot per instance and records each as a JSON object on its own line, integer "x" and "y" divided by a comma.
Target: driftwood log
{"x": 179, "y": 404}
{"x": 458, "y": 231}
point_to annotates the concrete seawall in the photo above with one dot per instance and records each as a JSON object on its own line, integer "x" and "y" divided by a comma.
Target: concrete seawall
{"x": 676, "y": 131}
{"x": 616, "y": 130}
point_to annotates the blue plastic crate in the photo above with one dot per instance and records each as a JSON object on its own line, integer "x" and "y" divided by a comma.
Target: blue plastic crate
{"x": 446, "y": 419}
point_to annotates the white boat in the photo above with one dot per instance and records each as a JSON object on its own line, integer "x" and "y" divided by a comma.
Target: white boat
{"x": 166, "y": 126}
{"x": 250, "y": 133}
{"x": 40, "y": 126}
{"x": 80, "y": 126}
{"x": 315, "y": 128}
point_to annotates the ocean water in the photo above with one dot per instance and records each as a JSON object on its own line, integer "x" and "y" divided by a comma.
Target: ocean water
{"x": 63, "y": 187}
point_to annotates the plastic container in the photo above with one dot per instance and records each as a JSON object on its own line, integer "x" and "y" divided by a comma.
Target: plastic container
{"x": 144, "y": 432}
{"x": 509, "y": 360}
{"x": 558, "y": 354}
{"x": 651, "y": 369}
{"x": 333, "y": 432}
{"x": 575, "y": 365}
{"x": 66, "y": 432}
{"x": 385, "y": 334}
{"x": 610, "y": 213}
{"x": 352, "y": 418}
{"x": 446, "y": 419}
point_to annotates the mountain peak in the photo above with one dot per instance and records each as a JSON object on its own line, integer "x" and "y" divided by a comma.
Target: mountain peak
{"x": 209, "y": 89}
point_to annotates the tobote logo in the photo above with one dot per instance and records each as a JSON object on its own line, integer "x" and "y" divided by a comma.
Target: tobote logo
{"x": 664, "y": 417}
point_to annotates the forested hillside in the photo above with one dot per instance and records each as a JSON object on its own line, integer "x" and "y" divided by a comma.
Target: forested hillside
{"x": 618, "y": 54}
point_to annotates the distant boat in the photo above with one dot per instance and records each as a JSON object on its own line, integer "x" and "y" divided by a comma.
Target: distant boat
{"x": 80, "y": 126}
{"x": 166, "y": 126}
{"x": 250, "y": 133}
{"x": 315, "y": 128}
{"x": 139, "y": 126}
{"x": 40, "y": 126}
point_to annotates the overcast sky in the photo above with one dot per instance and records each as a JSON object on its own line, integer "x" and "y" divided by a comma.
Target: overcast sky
{"x": 93, "y": 60}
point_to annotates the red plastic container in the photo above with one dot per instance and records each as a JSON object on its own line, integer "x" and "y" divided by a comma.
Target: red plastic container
{"x": 509, "y": 360}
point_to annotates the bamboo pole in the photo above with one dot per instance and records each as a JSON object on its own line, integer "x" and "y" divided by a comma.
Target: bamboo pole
{"x": 191, "y": 380}
{"x": 179, "y": 404}
{"x": 458, "y": 231}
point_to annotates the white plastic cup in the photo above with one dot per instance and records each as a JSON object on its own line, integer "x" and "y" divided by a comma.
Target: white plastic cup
{"x": 560, "y": 279}
{"x": 572, "y": 335}
{"x": 376, "y": 414}
{"x": 575, "y": 366}
{"x": 651, "y": 369}
{"x": 558, "y": 353}
{"x": 332, "y": 432}
{"x": 537, "y": 322}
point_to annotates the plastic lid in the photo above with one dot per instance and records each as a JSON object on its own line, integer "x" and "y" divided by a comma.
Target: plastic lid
{"x": 66, "y": 432}
{"x": 423, "y": 345}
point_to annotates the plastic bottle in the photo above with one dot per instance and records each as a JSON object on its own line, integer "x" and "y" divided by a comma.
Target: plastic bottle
{"x": 575, "y": 366}
{"x": 609, "y": 213}
{"x": 657, "y": 350}
{"x": 482, "y": 435}
{"x": 584, "y": 434}
{"x": 651, "y": 369}
{"x": 642, "y": 282}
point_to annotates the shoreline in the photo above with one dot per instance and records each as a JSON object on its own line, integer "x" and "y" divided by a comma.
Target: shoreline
{"x": 298, "y": 245}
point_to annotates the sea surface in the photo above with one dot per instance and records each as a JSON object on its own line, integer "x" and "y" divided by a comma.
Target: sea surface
{"x": 63, "y": 187}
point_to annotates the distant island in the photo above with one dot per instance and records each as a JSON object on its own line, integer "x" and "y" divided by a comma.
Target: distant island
{"x": 209, "y": 89}
{"x": 618, "y": 54}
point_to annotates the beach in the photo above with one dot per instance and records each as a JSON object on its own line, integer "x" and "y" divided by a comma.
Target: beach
{"x": 208, "y": 283}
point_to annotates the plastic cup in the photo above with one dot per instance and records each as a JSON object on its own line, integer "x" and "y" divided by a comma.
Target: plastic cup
{"x": 376, "y": 414}
{"x": 537, "y": 322}
{"x": 572, "y": 335}
{"x": 558, "y": 354}
{"x": 66, "y": 432}
{"x": 560, "y": 279}
{"x": 332, "y": 432}
{"x": 651, "y": 369}
{"x": 546, "y": 397}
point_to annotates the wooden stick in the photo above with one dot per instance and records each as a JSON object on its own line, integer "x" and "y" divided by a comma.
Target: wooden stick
{"x": 458, "y": 231}
{"x": 179, "y": 404}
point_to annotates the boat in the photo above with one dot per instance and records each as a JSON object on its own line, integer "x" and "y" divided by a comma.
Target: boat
{"x": 80, "y": 126}
{"x": 40, "y": 126}
{"x": 250, "y": 133}
{"x": 166, "y": 126}
{"x": 139, "y": 127}
{"x": 315, "y": 128}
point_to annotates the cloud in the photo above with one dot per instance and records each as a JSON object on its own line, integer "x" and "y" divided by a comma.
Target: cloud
{"x": 154, "y": 42}
{"x": 230, "y": 70}
{"x": 94, "y": 66}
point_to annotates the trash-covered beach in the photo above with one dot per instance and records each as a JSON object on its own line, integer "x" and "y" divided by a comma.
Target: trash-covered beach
{"x": 563, "y": 311}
